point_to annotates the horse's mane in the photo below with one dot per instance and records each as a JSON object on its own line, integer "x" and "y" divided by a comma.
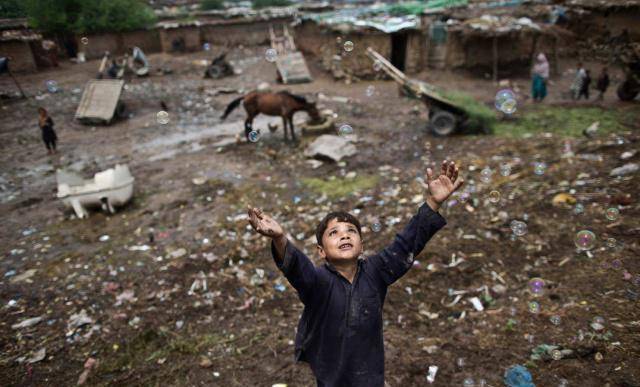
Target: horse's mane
{"x": 298, "y": 98}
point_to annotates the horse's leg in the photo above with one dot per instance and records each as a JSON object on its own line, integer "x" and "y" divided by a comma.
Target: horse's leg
{"x": 293, "y": 132}
{"x": 248, "y": 125}
{"x": 284, "y": 123}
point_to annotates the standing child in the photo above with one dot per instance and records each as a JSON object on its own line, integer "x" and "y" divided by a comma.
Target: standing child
{"x": 48, "y": 134}
{"x": 576, "y": 85}
{"x": 603, "y": 83}
{"x": 340, "y": 331}
{"x": 584, "y": 89}
{"x": 540, "y": 74}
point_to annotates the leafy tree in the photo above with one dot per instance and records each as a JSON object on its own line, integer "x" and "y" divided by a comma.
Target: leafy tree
{"x": 207, "y": 5}
{"x": 78, "y": 16}
{"x": 270, "y": 3}
{"x": 12, "y": 9}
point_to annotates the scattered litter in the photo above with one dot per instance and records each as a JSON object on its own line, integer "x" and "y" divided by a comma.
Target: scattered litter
{"x": 518, "y": 376}
{"x": 24, "y": 276}
{"x": 431, "y": 376}
{"x": 27, "y": 323}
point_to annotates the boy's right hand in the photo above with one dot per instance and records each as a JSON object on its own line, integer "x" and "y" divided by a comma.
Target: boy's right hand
{"x": 264, "y": 224}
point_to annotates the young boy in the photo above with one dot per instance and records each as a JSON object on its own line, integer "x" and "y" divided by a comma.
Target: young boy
{"x": 340, "y": 331}
{"x": 603, "y": 83}
{"x": 586, "y": 82}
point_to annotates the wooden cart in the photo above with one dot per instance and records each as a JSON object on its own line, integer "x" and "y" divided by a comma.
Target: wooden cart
{"x": 445, "y": 116}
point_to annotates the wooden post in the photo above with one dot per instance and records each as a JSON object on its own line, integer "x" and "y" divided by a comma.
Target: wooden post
{"x": 17, "y": 84}
{"x": 495, "y": 58}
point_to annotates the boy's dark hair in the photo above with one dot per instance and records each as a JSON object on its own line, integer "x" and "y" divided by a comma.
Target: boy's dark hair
{"x": 340, "y": 216}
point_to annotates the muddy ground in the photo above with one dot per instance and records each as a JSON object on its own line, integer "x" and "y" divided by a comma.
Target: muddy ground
{"x": 147, "y": 324}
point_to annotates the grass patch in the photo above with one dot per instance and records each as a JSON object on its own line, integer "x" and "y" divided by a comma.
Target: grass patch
{"x": 567, "y": 121}
{"x": 481, "y": 117}
{"x": 340, "y": 187}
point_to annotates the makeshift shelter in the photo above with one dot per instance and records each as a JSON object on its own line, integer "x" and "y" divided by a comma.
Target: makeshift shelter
{"x": 19, "y": 43}
{"x": 495, "y": 45}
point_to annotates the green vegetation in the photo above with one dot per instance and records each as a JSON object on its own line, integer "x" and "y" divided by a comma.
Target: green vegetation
{"x": 76, "y": 16}
{"x": 12, "y": 9}
{"x": 340, "y": 187}
{"x": 207, "y": 5}
{"x": 257, "y": 4}
{"x": 481, "y": 117}
{"x": 568, "y": 121}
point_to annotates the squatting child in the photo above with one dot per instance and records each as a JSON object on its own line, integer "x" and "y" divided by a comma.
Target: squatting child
{"x": 340, "y": 331}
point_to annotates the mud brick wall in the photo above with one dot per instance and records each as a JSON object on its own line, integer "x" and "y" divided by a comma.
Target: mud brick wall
{"x": 20, "y": 53}
{"x": 117, "y": 43}
{"x": 242, "y": 33}
{"x": 321, "y": 43}
{"x": 191, "y": 36}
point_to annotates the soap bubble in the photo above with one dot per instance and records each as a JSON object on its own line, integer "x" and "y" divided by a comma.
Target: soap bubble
{"x": 636, "y": 280}
{"x": 206, "y": 47}
{"x": 585, "y": 240}
{"x": 612, "y": 213}
{"x": 377, "y": 66}
{"x": 469, "y": 382}
{"x": 616, "y": 264}
{"x": 52, "y": 86}
{"x": 463, "y": 197}
{"x": 578, "y": 209}
{"x": 162, "y": 117}
{"x": 536, "y": 286}
{"x": 254, "y": 136}
{"x": 494, "y": 196}
{"x": 270, "y": 55}
{"x": 345, "y": 130}
{"x": 348, "y": 46}
{"x": 533, "y": 307}
{"x": 555, "y": 320}
{"x": 539, "y": 168}
{"x": 376, "y": 227}
{"x": 370, "y": 91}
{"x": 598, "y": 320}
{"x": 509, "y": 106}
{"x": 556, "y": 354}
{"x": 611, "y": 243}
{"x": 84, "y": 40}
{"x": 485, "y": 175}
{"x": 505, "y": 169}
{"x": 519, "y": 228}
{"x": 502, "y": 96}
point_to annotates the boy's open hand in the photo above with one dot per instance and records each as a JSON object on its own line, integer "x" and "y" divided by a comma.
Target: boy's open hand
{"x": 264, "y": 224}
{"x": 442, "y": 186}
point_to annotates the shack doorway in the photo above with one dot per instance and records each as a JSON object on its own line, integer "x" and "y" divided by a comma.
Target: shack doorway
{"x": 399, "y": 50}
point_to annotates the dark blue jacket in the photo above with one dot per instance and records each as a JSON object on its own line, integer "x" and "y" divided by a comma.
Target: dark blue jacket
{"x": 340, "y": 331}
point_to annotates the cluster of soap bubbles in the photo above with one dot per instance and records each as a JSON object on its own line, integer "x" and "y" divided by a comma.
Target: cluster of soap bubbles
{"x": 254, "y": 136}
{"x": 585, "y": 240}
{"x": 518, "y": 227}
{"x": 506, "y": 101}
{"x": 162, "y": 117}
{"x": 345, "y": 130}
{"x": 271, "y": 55}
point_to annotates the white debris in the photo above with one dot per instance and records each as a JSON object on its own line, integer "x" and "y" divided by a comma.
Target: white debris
{"x": 27, "y": 323}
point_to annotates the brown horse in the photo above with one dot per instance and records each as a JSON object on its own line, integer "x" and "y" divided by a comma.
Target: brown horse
{"x": 282, "y": 103}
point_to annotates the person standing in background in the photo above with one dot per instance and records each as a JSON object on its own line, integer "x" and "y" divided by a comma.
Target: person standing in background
{"x": 48, "y": 134}
{"x": 540, "y": 75}
{"x": 603, "y": 83}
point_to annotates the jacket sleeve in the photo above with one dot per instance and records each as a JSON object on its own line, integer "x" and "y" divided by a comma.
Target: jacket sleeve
{"x": 396, "y": 259}
{"x": 298, "y": 269}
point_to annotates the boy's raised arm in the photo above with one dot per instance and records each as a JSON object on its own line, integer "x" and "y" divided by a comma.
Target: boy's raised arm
{"x": 297, "y": 267}
{"x": 397, "y": 258}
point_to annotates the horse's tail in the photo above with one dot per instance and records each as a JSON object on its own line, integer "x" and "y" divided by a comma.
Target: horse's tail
{"x": 234, "y": 104}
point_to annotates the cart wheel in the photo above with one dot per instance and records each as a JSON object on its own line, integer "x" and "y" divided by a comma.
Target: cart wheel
{"x": 215, "y": 72}
{"x": 442, "y": 123}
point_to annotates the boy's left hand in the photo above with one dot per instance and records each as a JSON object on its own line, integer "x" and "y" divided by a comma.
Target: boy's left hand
{"x": 442, "y": 186}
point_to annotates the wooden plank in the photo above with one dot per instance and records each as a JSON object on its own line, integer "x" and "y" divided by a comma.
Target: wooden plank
{"x": 293, "y": 68}
{"x": 99, "y": 100}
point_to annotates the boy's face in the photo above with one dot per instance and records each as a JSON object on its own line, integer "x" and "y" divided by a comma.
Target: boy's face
{"x": 340, "y": 242}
